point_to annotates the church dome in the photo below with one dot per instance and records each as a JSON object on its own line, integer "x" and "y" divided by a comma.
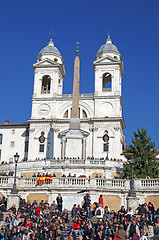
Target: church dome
{"x": 50, "y": 49}
{"x": 108, "y": 47}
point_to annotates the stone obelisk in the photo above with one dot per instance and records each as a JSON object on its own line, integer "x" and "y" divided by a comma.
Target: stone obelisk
{"x": 75, "y": 120}
{"x": 74, "y": 137}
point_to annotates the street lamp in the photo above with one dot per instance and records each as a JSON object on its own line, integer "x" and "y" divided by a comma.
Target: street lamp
{"x": 132, "y": 190}
{"x": 14, "y": 189}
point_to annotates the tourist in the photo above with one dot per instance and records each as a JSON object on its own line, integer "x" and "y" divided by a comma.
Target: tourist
{"x": 143, "y": 237}
{"x": 133, "y": 229}
{"x": 101, "y": 200}
{"x": 65, "y": 233}
{"x": 65, "y": 215}
{"x": 122, "y": 233}
{"x": 99, "y": 212}
{"x": 73, "y": 211}
{"x": 59, "y": 202}
{"x": 87, "y": 203}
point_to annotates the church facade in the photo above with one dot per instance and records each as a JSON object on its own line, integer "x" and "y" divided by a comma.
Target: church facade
{"x": 43, "y": 138}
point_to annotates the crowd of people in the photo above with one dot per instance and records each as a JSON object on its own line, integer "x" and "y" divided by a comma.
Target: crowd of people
{"x": 85, "y": 222}
{"x": 10, "y": 173}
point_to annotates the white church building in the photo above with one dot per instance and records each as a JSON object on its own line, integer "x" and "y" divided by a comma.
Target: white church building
{"x": 41, "y": 142}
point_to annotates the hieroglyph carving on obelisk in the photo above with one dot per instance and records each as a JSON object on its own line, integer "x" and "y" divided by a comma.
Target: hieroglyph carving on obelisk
{"x": 75, "y": 120}
{"x": 75, "y": 100}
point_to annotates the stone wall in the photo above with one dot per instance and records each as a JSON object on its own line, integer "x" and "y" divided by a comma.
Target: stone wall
{"x": 154, "y": 199}
{"x": 114, "y": 202}
{"x": 38, "y": 197}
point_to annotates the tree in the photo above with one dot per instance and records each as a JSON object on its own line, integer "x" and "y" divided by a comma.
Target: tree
{"x": 143, "y": 151}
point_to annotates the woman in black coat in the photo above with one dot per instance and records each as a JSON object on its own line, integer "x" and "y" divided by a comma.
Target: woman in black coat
{"x": 59, "y": 203}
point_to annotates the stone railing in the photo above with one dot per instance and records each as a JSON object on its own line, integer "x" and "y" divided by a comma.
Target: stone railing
{"x": 147, "y": 183}
{"x": 67, "y": 161}
{"x": 80, "y": 95}
{"x": 6, "y": 182}
{"x": 24, "y": 166}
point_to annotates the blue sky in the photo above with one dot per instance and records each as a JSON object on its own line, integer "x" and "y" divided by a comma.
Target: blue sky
{"x": 134, "y": 29}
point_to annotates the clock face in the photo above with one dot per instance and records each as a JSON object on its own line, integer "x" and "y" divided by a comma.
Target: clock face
{"x": 105, "y": 138}
{"x": 41, "y": 139}
{"x": 44, "y": 108}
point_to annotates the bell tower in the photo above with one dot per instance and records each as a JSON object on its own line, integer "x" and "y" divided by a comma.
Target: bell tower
{"x": 108, "y": 70}
{"x": 48, "y": 76}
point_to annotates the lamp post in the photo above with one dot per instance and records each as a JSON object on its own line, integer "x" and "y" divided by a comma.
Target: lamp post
{"x": 14, "y": 189}
{"x": 132, "y": 190}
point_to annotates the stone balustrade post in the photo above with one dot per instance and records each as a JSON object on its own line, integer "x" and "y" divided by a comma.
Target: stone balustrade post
{"x": 92, "y": 182}
{"x": 127, "y": 184}
{"x": 10, "y": 180}
{"x": 63, "y": 147}
{"x": 137, "y": 183}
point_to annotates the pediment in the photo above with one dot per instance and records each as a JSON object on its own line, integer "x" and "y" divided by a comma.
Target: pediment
{"x": 45, "y": 62}
{"x": 106, "y": 59}
{"x": 65, "y": 132}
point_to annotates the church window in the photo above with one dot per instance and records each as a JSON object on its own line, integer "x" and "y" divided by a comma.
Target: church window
{"x": 115, "y": 57}
{"x": 41, "y": 148}
{"x": 65, "y": 114}
{"x": 12, "y": 144}
{"x": 46, "y": 84}
{"x": 26, "y": 146}
{"x": 55, "y": 59}
{"x": 105, "y": 147}
{"x": 1, "y": 137}
{"x": 107, "y": 82}
{"x": 84, "y": 114}
{"x": 13, "y": 131}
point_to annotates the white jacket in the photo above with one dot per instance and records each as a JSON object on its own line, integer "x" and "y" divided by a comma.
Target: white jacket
{"x": 102, "y": 212}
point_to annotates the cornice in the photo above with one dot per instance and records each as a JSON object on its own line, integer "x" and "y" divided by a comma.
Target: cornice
{"x": 7, "y": 125}
{"x": 60, "y": 98}
{"x": 88, "y": 120}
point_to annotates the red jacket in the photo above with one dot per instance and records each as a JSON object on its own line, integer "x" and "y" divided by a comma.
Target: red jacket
{"x": 38, "y": 210}
{"x": 76, "y": 226}
{"x": 28, "y": 224}
{"x": 101, "y": 201}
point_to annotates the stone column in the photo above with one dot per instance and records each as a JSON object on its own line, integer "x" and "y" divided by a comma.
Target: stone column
{"x": 63, "y": 148}
{"x": 84, "y": 148}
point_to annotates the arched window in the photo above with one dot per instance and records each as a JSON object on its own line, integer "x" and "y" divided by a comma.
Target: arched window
{"x": 65, "y": 114}
{"x": 1, "y": 138}
{"x": 107, "y": 82}
{"x": 68, "y": 112}
{"x": 46, "y": 84}
{"x": 84, "y": 114}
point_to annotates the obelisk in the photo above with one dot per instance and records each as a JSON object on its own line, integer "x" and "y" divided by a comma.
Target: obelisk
{"x": 75, "y": 120}
{"x": 74, "y": 137}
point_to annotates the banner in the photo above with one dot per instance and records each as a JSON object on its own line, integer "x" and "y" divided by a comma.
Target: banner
{"x": 44, "y": 179}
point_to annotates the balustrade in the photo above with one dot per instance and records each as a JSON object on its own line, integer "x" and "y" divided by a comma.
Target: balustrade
{"x": 150, "y": 183}
{"x": 80, "y": 95}
{"x": 4, "y": 180}
{"x": 91, "y": 183}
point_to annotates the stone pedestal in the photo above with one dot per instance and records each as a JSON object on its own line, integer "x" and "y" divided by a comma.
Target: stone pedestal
{"x": 13, "y": 199}
{"x": 74, "y": 145}
{"x": 132, "y": 202}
